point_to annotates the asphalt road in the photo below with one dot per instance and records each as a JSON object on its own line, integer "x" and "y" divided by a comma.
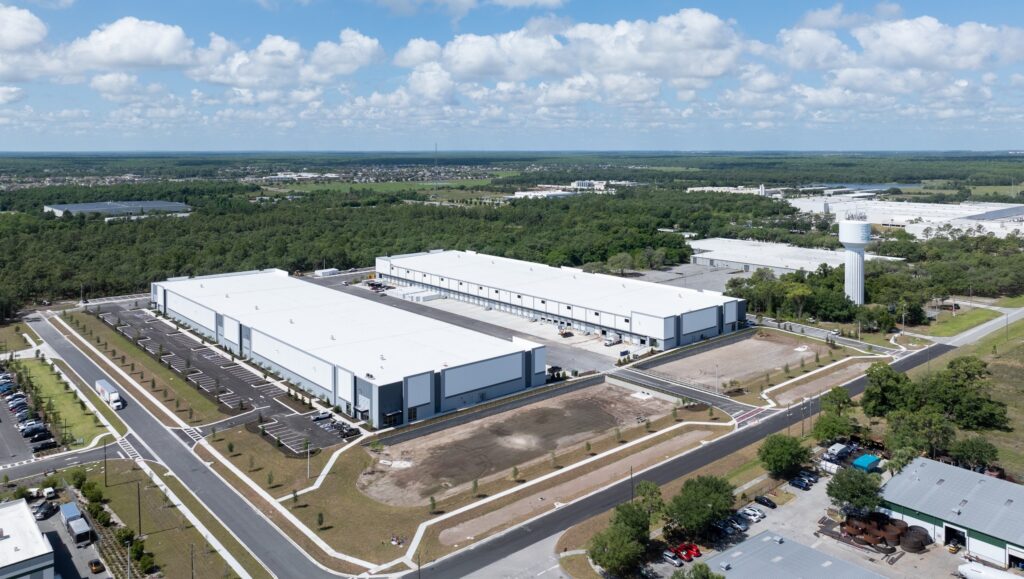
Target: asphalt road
{"x": 269, "y": 545}
{"x": 728, "y": 405}
{"x": 56, "y": 462}
{"x": 505, "y": 545}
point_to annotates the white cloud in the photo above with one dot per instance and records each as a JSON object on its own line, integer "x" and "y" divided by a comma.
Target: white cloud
{"x": 418, "y": 51}
{"x": 515, "y": 55}
{"x": 130, "y": 42}
{"x": 432, "y": 82}
{"x": 123, "y": 87}
{"x": 10, "y": 94}
{"x": 352, "y": 52}
{"x": 811, "y": 48}
{"x": 19, "y": 28}
{"x": 927, "y": 43}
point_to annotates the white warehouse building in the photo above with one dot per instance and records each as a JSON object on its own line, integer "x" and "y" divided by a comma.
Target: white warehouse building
{"x": 638, "y": 312}
{"x": 781, "y": 258}
{"x": 378, "y": 363}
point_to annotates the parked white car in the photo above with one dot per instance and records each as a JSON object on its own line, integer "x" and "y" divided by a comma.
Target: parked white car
{"x": 753, "y": 513}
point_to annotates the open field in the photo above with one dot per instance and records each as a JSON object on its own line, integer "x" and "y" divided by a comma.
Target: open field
{"x": 61, "y": 405}
{"x": 11, "y": 339}
{"x": 346, "y": 507}
{"x": 170, "y": 388}
{"x": 747, "y": 362}
{"x": 432, "y": 464}
{"x": 817, "y": 384}
{"x": 984, "y": 190}
{"x": 258, "y": 457}
{"x": 168, "y": 534}
{"x": 949, "y": 325}
{"x": 1011, "y": 302}
{"x": 876, "y": 338}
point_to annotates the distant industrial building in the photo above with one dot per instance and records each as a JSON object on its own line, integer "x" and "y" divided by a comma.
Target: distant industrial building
{"x": 638, "y": 312}
{"x": 376, "y": 362}
{"x": 780, "y": 258}
{"x": 760, "y": 190}
{"x": 1000, "y": 219}
{"x": 770, "y": 554}
{"x": 118, "y": 208}
{"x": 24, "y": 551}
{"x": 985, "y": 514}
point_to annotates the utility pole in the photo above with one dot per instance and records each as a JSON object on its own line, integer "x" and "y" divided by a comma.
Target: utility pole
{"x": 307, "y": 459}
{"x": 138, "y": 504}
{"x": 105, "y": 463}
{"x": 192, "y": 558}
{"x": 630, "y": 483}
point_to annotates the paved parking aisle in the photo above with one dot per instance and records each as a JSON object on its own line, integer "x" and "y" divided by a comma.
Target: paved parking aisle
{"x": 13, "y": 448}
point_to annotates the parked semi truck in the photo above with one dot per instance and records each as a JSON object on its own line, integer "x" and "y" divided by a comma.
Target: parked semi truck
{"x": 109, "y": 394}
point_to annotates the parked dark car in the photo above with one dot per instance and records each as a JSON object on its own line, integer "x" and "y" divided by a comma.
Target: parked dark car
{"x": 809, "y": 475}
{"x": 45, "y": 510}
{"x": 765, "y": 501}
{"x": 44, "y": 445}
{"x": 41, "y": 436}
{"x": 800, "y": 484}
{"x": 32, "y": 431}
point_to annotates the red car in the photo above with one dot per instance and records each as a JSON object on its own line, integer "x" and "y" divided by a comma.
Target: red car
{"x": 687, "y": 551}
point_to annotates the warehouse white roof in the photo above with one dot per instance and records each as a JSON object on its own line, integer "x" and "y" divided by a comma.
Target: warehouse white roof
{"x": 901, "y": 212}
{"x": 973, "y": 500}
{"x": 22, "y": 539}
{"x": 606, "y": 293}
{"x": 358, "y": 334}
{"x": 765, "y": 254}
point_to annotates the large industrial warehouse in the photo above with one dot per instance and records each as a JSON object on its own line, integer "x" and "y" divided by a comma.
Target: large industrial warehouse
{"x": 378, "y": 363}
{"x": 780, "y": 258}
{"x": 638, "y": 312}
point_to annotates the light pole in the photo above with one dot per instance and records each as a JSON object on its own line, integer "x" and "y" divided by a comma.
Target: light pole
{"x": 307, "y": 459}
{"x": 105, "y": 463}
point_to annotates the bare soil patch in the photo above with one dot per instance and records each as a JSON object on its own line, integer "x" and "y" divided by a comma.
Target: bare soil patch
{"x": 826, "y": 381}
{"x": 747, "y": 360}
{"x": 437, "y": 463}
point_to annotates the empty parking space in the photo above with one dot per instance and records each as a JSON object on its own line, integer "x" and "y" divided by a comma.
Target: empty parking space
{"x": 294, "y": 430}
{"x": 203, "y": 366}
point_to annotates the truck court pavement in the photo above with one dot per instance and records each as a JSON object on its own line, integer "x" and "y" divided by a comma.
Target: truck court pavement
{"x": 496, "y": 548}
{"x": 648, "y": 380}
{"x": 282, "y": 557}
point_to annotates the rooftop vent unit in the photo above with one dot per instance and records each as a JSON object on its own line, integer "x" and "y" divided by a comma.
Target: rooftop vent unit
{"x": 778, "y": 539}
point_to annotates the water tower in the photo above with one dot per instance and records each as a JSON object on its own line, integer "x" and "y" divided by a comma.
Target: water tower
{"x": 855, "y": 234}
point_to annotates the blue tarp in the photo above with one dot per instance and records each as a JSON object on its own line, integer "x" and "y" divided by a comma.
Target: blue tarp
{"x": 866, "y": 462}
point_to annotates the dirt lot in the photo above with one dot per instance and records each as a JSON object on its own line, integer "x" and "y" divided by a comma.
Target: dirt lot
{"x": 823, "y": 383}
{"x": 748, "y": 359}
{"x": 493, "y": 445}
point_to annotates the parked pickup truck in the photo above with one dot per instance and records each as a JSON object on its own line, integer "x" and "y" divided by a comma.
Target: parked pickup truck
{"x": 109, "y": 394}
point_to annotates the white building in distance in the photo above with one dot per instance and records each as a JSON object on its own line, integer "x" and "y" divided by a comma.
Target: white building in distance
{"x": 1000, "y": 219}
{"x": 761, "y": 190}
{"x": 638, "y": 312}
{"x": 780, "y": 258}
{"x": 377, "y": 362}
{"x": 24, "y": 551}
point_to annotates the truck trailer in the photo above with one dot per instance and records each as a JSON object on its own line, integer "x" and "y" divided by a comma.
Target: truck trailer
{"x": 109, "y": 394}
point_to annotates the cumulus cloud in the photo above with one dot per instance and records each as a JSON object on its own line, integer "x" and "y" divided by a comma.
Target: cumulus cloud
{"x": 418, "y": 51}
{"x": 19, "y": 28}
{"x": 130, "y": 42}
{"x": 927, "y": 43}
{"x": 352, "y": 52}
{"x": 809, "y": 48}
{"x": 10, "y": 94}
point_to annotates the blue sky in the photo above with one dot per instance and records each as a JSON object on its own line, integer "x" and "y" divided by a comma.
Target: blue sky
{"x": 510, "y": 75}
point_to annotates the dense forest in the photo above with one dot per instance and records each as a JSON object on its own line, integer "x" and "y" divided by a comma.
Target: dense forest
{"x": 231, "y": 229}
{"x": 52, "y": 257}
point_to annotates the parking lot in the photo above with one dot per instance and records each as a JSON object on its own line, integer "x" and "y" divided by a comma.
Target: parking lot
{"x": 69, "y": 563}
{"x": 221, "y": 378}
{"x": 293, "y": 430}
{"x": 14, "y": 448}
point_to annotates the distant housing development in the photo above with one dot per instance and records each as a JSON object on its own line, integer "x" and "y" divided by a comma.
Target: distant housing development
{"x": 118, "y": 208}
{"x": 378, "y": 363}
{"x": 638, "y": 312}
{"x": 780, "y": 258}
{"x": 983, "y": 513}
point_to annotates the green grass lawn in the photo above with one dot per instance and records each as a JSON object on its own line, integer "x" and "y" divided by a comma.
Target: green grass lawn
{"x": 949, "y": 325}
{"x": 168, "y": 534}
{"x": 180, "y": 395}
{"x": 61, "y": 405}
{"x": 1011, "y": 302}
{"x": 11, "y": 339}
{"x": 983, "y": 190}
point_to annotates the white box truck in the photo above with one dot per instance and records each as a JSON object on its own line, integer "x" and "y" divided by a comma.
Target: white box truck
{"x": 109, "y": 394}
